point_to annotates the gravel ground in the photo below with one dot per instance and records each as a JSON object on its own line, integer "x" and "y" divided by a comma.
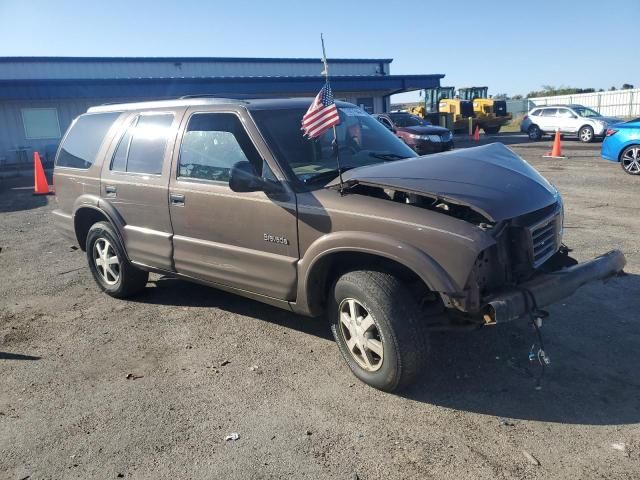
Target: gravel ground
{"x": 94, "y": 387}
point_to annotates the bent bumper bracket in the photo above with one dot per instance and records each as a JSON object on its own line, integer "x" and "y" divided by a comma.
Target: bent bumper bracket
{"x": 551, "y": 287}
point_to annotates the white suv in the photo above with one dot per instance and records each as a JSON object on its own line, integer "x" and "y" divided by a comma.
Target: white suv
{"x": 584, "y": 122}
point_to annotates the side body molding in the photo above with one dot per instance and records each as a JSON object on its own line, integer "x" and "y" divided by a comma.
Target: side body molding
{"x": 432, "y": 273}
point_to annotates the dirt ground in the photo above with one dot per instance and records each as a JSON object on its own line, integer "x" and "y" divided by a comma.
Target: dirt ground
{"x": 93, "y": 387}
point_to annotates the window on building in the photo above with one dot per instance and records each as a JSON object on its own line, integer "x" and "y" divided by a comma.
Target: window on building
{"x": 40, "y": 123}
{"x": 212, "y": 144}
{"x": 82, "y": 143}
{"x": 142, "y": 147}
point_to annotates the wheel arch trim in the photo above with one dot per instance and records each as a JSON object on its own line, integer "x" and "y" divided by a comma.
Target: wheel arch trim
{"x": 420, "y": 263}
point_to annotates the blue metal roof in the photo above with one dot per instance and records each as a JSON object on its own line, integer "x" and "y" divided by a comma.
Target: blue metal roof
{"x": 192, "y": 59}
{"x": 175, "y": 87}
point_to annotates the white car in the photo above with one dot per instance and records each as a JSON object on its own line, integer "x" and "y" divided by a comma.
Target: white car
{"x": 584, "y": 122}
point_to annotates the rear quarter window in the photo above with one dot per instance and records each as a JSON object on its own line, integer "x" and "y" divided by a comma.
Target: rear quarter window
{"x": 82, "y": 142}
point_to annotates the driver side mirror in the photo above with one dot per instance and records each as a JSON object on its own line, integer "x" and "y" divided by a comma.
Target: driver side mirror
{"x": 243, "y": 178}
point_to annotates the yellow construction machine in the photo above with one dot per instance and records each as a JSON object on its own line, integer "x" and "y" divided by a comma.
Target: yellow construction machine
{"x": 443, "y": 106}
{"x": 490, "y": 114}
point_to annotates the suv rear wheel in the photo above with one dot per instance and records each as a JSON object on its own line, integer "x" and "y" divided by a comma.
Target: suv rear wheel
{"x": 111, "y": 270}
{"x": 585, "y": 134}
{"x": 378, "y": 328}
{"x": 534, "y": 132}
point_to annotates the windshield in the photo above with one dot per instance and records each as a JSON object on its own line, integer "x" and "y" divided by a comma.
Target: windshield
{"x": 362, "y": 140}
{"x": 407, "y": 120}
{"x": 586, "y": 112}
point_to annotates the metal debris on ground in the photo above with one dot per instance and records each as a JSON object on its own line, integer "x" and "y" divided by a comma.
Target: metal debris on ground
{"x": 225, "y": 362}
{"x": 232, "y": 436}
{"x": 622, "y": 447}
{"x": 505, "y": 422}
{"x": 533, "y": 460}
{"x": 131, "y": 376}
{"x": 308, "y": 432}
{"x": 256, "y": 369}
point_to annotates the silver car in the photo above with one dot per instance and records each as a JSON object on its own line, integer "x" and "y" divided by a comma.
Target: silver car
{"x": 578, "y": 120}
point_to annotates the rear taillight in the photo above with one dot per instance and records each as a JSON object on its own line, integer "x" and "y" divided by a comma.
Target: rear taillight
{"x": 610, "y": 132}
{"x": 525, "y": 117}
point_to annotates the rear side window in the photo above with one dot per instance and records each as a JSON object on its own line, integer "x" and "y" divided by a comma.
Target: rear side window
{"x": 535, "y": 113}
{"x": 549, "y": 112}
{"x": 82, "y": 143}
{"x": 141, "y": 148}
{"x": 212, "y": 144}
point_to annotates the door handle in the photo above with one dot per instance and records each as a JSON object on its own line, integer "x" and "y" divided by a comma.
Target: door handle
{"x": 176, "y": 199}
{"x": 110, "y": 189}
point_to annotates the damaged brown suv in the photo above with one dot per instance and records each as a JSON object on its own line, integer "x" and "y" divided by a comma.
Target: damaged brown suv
{"x": 230, "y": 194}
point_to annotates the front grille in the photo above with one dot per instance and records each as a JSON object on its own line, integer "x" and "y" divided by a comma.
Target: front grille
{"x": 544, "y": 239}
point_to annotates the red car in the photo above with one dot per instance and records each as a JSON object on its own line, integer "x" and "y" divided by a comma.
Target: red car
{"x": 420, "y": 135}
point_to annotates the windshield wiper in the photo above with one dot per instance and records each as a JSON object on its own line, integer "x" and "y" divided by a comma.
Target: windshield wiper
{"x": 325, "y": 176}
{"x": 387, "y": 156}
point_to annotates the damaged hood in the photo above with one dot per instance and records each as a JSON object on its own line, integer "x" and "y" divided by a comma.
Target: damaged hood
{"x": 490, "y": 179}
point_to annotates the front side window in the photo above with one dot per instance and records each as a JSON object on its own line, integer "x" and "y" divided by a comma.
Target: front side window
{"x": 142, "y": 147}
{"x": 212, "y": 144}
{"x": 83, "y": 140}
{"x": 564, "y": 113}
{"x": 362, "y": 140}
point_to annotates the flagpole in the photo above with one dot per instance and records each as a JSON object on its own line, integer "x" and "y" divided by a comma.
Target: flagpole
{"x": 335, "y": 133}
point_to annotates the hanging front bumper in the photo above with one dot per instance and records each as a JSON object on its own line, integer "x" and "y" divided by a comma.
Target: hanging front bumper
{"x": 548, "y": 288}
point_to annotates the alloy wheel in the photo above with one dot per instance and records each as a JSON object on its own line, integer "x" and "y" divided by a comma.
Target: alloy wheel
{"x": 631, "y": 160}
{"x": 361, "y": 335}
{"x": 586, "y": 135}
{"x": 106, "y": 261}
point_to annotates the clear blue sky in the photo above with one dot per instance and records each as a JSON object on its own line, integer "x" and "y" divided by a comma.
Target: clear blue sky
{"x": 512, "y": 46}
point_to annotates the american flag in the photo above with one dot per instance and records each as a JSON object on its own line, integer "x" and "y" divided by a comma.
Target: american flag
{"x": 322, "y": 114}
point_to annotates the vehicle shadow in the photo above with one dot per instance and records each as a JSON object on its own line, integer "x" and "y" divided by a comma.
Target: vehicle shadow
{"x": 176, "y": 292}
{"x": 592, "y": 341}
{"x": 16, "y": 356}
{"x": 592, "y": 379}
{"x": 16, "y": 194}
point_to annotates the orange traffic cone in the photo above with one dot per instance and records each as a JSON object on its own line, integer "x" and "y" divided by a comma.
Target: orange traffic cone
{"x": 556, "y": 151}
{"x": 41, "y": 186}
{"x": 476, "y": 134}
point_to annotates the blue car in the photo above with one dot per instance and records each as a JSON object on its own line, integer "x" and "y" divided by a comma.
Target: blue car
{"x": 622, "y": 144}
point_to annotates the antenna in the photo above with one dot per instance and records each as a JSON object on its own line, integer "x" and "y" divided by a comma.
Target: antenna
{"x": 336, "y": 149}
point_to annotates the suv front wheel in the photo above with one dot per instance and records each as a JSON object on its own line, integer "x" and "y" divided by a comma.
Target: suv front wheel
{"x": 377, "y": 326}
{"x": 111, "y": 269}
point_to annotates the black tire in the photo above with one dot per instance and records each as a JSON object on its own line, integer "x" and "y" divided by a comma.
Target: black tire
{"x": 586, "y": 134}
{"x": 534, "y": 133}
{"x": 491, "y": 130}
{"x": 630, "y": 160}
{"x": 130, "y": 280}
{"x": 398, "y": 326}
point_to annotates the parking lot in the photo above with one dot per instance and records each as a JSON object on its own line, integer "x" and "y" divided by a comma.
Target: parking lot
{"x": 150, "y": 388}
